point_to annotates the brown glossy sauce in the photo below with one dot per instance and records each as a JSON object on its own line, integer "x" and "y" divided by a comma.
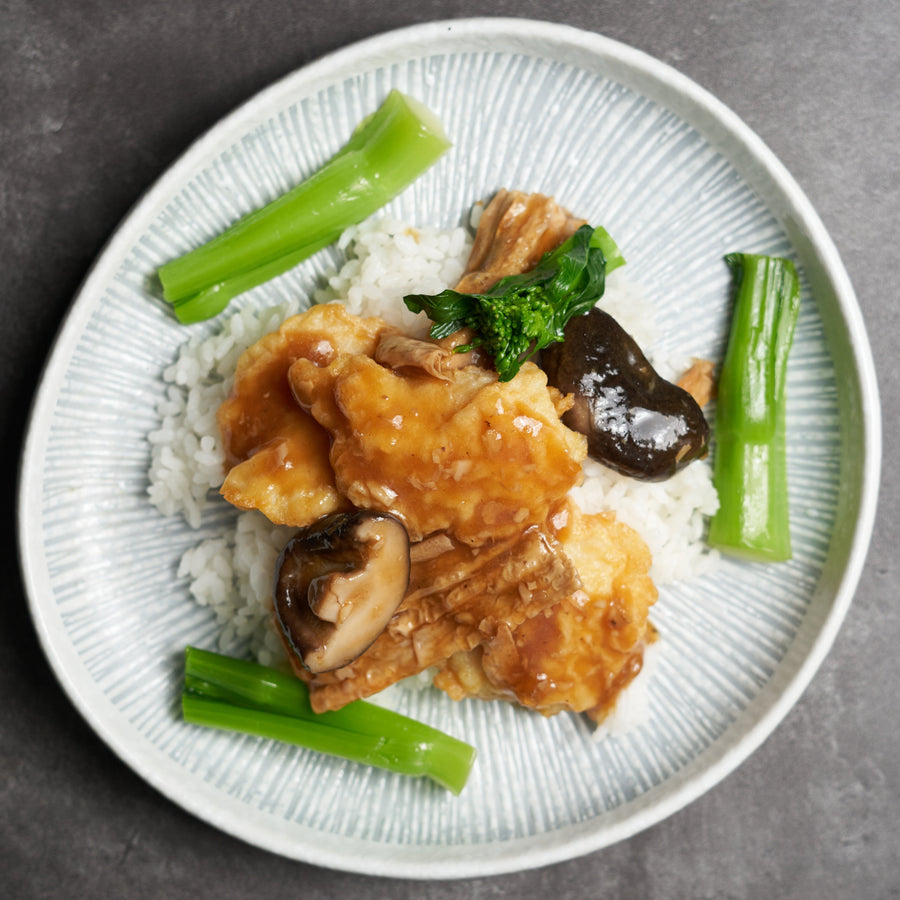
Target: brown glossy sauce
{"x": 579, "y": 654}
{"x": 478, "y": 458}
{"x": 262, "y": 408}
{"x": 275, "y": 451}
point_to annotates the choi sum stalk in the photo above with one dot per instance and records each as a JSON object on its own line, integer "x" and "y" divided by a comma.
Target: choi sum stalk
{"x": 239, "y": 695}
{"x": 750, "y": 462}
{"x": 387, "y": 152}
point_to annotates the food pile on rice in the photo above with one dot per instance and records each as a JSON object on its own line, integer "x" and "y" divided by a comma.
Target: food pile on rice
{"x": 531, "y": 568}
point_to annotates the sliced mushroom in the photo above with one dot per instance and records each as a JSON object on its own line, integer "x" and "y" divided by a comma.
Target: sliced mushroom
{"x": 636, "y": 422}
{"x": 337, "y": 584}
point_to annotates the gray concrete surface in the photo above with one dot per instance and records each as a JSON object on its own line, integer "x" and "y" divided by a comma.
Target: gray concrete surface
{"x": 98, "y": 97}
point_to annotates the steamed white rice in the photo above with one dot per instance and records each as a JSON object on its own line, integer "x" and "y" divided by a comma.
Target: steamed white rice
{"x": 232, "y": 574}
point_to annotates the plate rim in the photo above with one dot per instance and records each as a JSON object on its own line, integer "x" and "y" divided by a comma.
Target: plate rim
{"x": 645, "y": 69}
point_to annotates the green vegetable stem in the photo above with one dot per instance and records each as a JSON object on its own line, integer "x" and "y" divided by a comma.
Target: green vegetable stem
{"x": 750, "y": 467}
{"x": 239, "y": 695}
{"x": 387, "y": 152}
{"x": 522, "y": 314}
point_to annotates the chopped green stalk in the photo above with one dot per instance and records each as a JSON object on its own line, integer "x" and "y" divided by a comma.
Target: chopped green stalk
{"x": 405, "y": 757}
{"x": 248, "y": 683}
{"x": 387, "y": 152}
{"x": 255, "y": 690}
{"x": 522, "y": 314}
{"x": 750, "y": 466}
{"x": 600, "y": 240}
{"x": 244, "y": 682}
{"x": 211, "y": 301}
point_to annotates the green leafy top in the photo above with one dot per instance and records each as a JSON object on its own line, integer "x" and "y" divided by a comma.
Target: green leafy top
{"x": 522, "y": 314}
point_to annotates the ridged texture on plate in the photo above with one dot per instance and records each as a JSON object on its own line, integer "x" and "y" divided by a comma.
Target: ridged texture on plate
{"x": 675, "y": 206}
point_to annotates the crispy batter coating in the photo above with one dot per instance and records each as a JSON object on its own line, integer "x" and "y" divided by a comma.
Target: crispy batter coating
{"x": 699, "y": 381}
{"x": 276, "y": 454}
{"x": 477, "y": 458}
{"x": 578, "y": 654}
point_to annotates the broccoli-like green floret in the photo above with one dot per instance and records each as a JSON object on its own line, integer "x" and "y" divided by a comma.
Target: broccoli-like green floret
{"x": 522, "y": 314}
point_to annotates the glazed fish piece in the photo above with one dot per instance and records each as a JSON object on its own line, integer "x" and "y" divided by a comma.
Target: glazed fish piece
{"x": 276, "y": 454}
{"x": 479, "y": 459}
{"x": 578, "y": 654}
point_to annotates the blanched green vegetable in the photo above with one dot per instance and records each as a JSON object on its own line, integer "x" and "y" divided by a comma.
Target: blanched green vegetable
{"x": 750, "y": 467}
{"x": 522, "y": 314}
{"x": 238, "y": 695}
{"x": 387, "y": 152}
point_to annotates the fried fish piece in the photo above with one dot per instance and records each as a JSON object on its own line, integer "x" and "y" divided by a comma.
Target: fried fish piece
{"x": 276, "y": 454}
{"x": 580, "y": 653}
{"x": 477, "y": 458}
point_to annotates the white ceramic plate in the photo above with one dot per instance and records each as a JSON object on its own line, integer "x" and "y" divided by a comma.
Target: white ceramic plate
{"x": 678, "y": 180}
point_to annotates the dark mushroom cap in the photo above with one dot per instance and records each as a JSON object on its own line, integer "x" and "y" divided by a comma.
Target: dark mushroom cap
{"x": 337, "y": 584}
{"x": 636, "y": 422}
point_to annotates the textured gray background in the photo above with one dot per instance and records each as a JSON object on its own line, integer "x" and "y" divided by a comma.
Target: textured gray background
{"x": 97, "y": 98}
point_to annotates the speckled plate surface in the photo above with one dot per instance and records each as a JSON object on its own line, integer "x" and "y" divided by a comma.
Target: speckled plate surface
{"x": 678, "y": 180}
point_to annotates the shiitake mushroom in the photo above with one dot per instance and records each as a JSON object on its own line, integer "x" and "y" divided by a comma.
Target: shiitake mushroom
{"x": 338, "y": 582}
{"x": 636, "y": 422}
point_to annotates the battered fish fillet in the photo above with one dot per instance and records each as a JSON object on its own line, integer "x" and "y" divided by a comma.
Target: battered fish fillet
{"x": 275, "y": 453}
{"x": 479, "y": 459}
{"x": 455, "y": 601}
{"x": 578, "y": 654}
